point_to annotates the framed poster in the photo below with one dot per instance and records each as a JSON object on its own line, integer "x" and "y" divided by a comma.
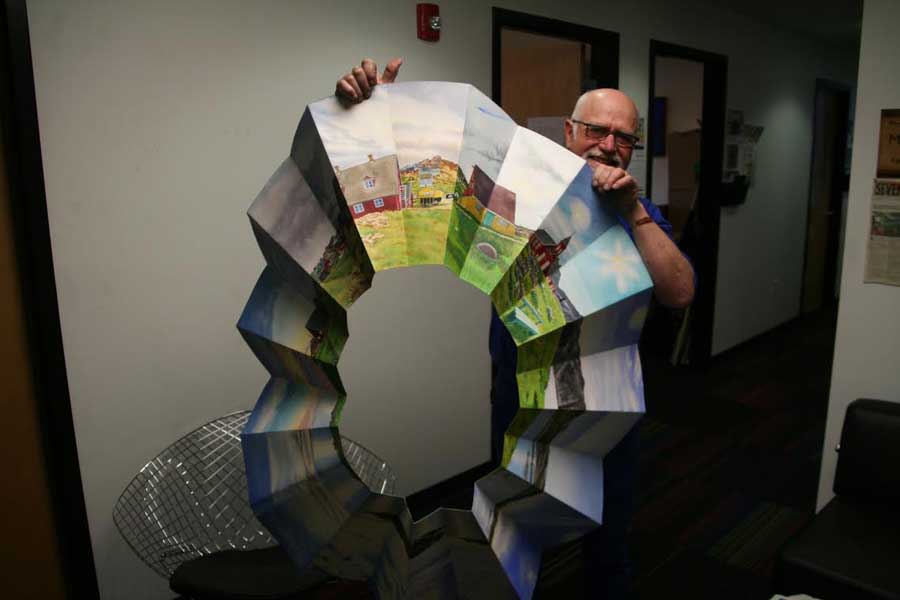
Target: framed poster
{"x": 889, "y": 144}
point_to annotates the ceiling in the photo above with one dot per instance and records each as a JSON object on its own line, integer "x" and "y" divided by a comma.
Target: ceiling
{"x": 836, "y": 22}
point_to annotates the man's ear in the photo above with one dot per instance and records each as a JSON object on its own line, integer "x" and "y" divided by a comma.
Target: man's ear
{"x": 570, "y": 132}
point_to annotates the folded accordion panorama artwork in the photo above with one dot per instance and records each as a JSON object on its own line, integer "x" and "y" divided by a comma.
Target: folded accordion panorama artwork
{"x": 436, "y": 173}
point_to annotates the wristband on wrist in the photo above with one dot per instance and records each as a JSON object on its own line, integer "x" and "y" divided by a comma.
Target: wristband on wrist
{"x": 642, "y": 221}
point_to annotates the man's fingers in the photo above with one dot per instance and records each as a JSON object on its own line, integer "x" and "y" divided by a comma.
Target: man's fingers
{"x": 610, "y": 174}
{"x": 371, "y": 70}
{"x": 612, "y": 178}
{"x": 615, "y": 175}
{"x": 600, "y": 175}
{"x": 357, "y": 85}
{"x": 626, "y": 181}
{"x": 617, "y": 186}
{"x": 345, "y": 90}
{"x": 362, "y": 81}
{"x": 603, "y": 176}
{"x": 353, "y": 83}
{"x": 391, "y": 70}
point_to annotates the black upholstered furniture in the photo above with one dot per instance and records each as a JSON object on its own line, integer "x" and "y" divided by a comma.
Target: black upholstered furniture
{"x": 851, "y": 549}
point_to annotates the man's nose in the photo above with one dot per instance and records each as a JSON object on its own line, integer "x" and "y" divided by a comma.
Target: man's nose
{"x": 608, "y": 144}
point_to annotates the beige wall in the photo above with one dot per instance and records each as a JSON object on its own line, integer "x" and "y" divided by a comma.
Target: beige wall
{"x": 867, "y": 345}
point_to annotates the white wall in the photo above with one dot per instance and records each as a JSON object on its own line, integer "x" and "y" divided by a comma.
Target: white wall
{"x": 417, "y": 372}
{"x": 868, "y": 330}
{"x": 159, "y": 125}
{"x": 161, "y": 120}
{"x": 681, "y": 83}
{"x": 761, "y": 243}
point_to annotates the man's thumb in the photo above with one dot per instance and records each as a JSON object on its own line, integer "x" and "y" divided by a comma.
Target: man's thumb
{"x": 391, "y": 70}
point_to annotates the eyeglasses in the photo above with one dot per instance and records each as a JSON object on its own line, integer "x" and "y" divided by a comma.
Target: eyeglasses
{"x": 601, "y": 132}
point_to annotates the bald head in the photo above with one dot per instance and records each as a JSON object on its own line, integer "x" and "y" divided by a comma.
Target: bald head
{"x": 610, "y": 102}
{"x": 606, "y": 109}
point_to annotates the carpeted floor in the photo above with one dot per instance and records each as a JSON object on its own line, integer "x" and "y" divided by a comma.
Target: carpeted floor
{"x": 729, "y": 463}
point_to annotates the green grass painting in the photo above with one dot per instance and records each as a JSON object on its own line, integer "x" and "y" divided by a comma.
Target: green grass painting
{"x": 533, "y": 362}
{"x": 532, "y": 385}
{"x": 538, "y": 353}
{"x": 334, "y": 339}
{"x": 489, "y": 257}
{"x": 524, "y": 275}
{"x": 426, "y": 233}
{"x": 522, "y": 421}
{"x": 384, "y": 235}
{"x": 461, "y": 232}
{"x": 350, "y": 275}
{"x": 347, "y": 282}
{"x": 536, "y": 313}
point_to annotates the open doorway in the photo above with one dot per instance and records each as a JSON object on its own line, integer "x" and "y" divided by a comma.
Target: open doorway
{"x": 541, "y": 66}
{"x": 686, "y": 135}
{"x": 677, "y": 111}
{"x": 829, "y": 183}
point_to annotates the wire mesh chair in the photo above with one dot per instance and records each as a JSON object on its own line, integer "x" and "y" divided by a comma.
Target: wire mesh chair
{"x": 191, "y": 500}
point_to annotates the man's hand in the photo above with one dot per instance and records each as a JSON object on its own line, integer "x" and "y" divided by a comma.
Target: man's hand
{"x": 672, "y": 274}
{"x": 617, "y": 186}
{"x": 357, "y": 85}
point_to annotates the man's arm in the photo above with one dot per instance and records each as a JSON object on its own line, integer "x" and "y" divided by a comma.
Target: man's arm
{"x": 672, "y": 274}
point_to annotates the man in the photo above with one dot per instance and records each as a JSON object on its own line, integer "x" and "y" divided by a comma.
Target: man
{"x": 602, "y": 131}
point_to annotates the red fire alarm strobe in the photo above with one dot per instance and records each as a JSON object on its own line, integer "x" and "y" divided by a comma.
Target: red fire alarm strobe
{"x": 428, "y": 22}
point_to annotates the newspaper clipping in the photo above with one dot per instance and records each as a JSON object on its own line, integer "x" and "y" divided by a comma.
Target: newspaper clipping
{"x": 883, "y": 252}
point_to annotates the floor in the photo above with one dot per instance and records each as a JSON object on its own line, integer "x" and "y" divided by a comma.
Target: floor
{"x": 729, "y": 462}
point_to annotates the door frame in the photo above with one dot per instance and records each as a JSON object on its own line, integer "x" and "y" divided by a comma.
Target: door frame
{"x": 707, "y": 209}
{"x": 34, "y": 254}
{"x": 604, "y": 45}
{"x": 831, "y": 249}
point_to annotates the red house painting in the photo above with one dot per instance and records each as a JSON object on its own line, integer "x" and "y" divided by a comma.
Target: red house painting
{"x": 493, "y": 197}
{"x": 547, "y": 252}
{"x": 373, "y": 186}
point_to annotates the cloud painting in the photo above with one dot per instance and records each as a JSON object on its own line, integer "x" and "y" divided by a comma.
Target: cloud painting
{"x": 488, "y": 133}
{"x": 608, "y": 270}
{"x": 538, "y": 171}
{"x": 350, "y": 134}
{"x": 287, "y": 210}
{"x": 428, "y": 119}
{"x": 579, "y": 216}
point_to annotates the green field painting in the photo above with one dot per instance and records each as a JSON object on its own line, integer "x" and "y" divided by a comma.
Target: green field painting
{"x": 384, "y": 236}
{"x": 426, "y": 233}
{"x": 490, "y": 256}
{"x": 536, "y": 313}
{"x": 460, "y": 233}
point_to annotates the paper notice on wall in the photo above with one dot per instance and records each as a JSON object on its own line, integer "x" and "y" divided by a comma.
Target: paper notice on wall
{"x": 637, "y": 168}
{"x": 883, "y": 251}
{"x": 889, "y": 144}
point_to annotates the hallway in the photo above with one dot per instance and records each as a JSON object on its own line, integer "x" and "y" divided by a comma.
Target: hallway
{"x": 729, "y": 462}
